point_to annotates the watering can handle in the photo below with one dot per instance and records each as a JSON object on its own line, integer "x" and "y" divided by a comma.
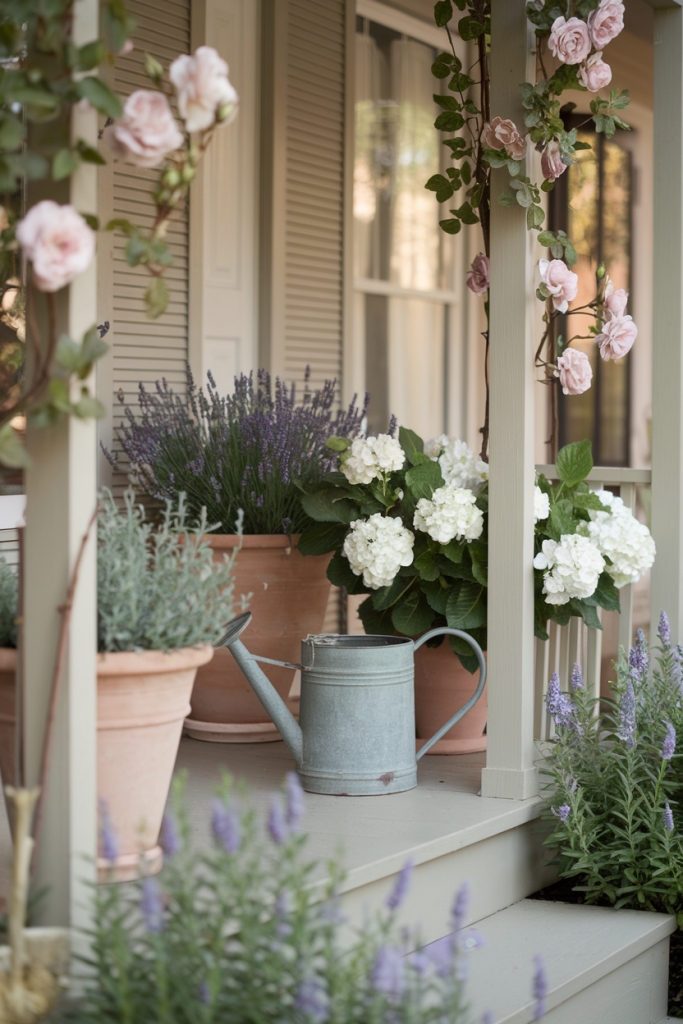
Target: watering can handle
{"x": 475, "y": 696}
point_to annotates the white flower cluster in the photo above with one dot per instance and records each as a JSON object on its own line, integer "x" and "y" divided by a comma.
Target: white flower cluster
{"x": 369, "y": 458}
{"x": 573, "y": 568}
{"x": 622, "y": 538}
{"x": 459, "y": 465}
{"x": 451, "y": 513}
{"x": 377, "y": 548}
{"x": 541, "y": 504}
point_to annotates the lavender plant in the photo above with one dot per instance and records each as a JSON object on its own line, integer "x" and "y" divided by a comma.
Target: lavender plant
{"x": 615, "y": 781}
{"x": 243, "y": 450}
{"x": 9, "y": 595}
{"x": 158, "y": 589}
{"x": 242, "y": 934}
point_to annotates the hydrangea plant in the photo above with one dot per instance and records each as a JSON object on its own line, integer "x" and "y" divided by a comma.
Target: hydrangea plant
{"x": 240, "y": 932}
{"x": 407, "y": 522}
{"x": 9, "y": 597}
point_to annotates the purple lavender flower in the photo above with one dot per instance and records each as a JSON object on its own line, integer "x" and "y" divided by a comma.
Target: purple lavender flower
{"x": 152, "y": 905}
{"x": 559, "y": 704}
{"x": 277, "y": 822}
{"x": 461, "y": 905}
{"x": 226, "y": 827}
{"x": 561, "y": 812}
{"x": 420, "y": 962}
{"x": 668, "y": 818}
{"x": 669, "y": 744}
{"x": 387, "y": 975}
{"x": 639, "y": 658}
{"x": 109, "y": 843}
{"x": 627, "y": 715}
{"x": 577, "y": 677}
{"x": 487, "y": 1018}
{"x": 296, "y": 804}
{"x": 168, "y": 838}
{"x": 664, "y": 630}
{"x": 398, "y": 894}
{"x": 204, "y": 996}
{"x": 441, "y": 954}
{"x": 540, "y": 989}
{"x": 312, "y": 1000}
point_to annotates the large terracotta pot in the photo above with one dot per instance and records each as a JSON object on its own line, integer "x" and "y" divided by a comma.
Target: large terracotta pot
{"x": 8, "y": 667}
{"x": 442, "y": 686}
{"x": 289, "y": 594}
{"x": 142, "y": 701}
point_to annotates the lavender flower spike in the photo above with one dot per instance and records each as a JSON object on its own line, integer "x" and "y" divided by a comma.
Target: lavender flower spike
{"x": 638, "y": 658}
{"x": 559, "y": 704}
{"x": 668, "y": 818}
{"x": 540, "y": 989}
{"x": 295, "y": 799}
{"x": 664, "y": 630}
{"x": 627, "y": 715}
{"x": 398, "y": 894}
{"x": 168, "y": 838}
{"x": 561, "y": 812}
{"x": 461, "y": 905}
{"x": 312, "y": 1001}
{"x": 387, "y": 974}
{"x": 669, "y": 744}
{"x": 577, "y": 677}
{"x": 109, "y": 844}
{"x": 152, "y": 905}
{"x": 487, "y": 1018}
{"x": 277, "y": 823}
{"x": 226, "y": 827}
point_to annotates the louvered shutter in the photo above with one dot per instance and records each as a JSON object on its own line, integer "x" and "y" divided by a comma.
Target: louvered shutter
{"x": 142, "y": 350}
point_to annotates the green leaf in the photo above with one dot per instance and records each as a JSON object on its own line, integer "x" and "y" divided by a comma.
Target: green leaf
{"x": 375, "y": 623}
{"x": 12, "y": 451}
{"x": 451, "y": 227}
{"x": 469, "y": 28}
{"x": 436, "y": 594}
{"x": 546, "y": 239}
{"x": 329, "y": 505}
{"x": 588, "y": 613}
{"x": 64, "y": 164}
{"x": 156, "y": 297}
{"x": 91, "y": 55}
{"x": 426, "y": 566}
{"x": 89, "y": 408}
{"x": 453, "y": 551}
{"x": 606, "y": 594}
{"x": 467, "y": 609}
{"x": 534, "y": 217}
{"x": 424, "y": 479}
{"x": 507, "y": 199}
{"x": 99, "y": 96}
{"x": 413, "y": 615}
{"x": 153, "y": 68}
{"x": 59, "y": 395}
{"x": 449, "y": 121}
{"x": 479, "y": 555}
{"x": 467, "y": 214}
{"x": 588, "y": 499}
{"x": 321, "y": 538}
{"x": 11, "y": 132}
{"x": 338, "y": 444}
{"x": 340, "y": 574}
{"x": 570, "y": 254}
{"x": 89, "y": 155}
{"x": 411, "y": 444}
{"x": 562, "y": 520}
{"x": 443, "y": 12}
{"x": 386, "y": 597}
{"x": 91, "y": 220}
{"x": 574, "y": 462}
{"x": 119, "y": 222}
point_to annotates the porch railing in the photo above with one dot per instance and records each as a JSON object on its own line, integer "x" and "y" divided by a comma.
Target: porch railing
{"x": 575, "y": 642}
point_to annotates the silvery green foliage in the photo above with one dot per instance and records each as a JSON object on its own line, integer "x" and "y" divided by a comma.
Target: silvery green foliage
{"x": 615, "y": 782}
{"x": 158, "y": 588}
{"x": 9, "y": 595}
{"x": 240, "y": 934}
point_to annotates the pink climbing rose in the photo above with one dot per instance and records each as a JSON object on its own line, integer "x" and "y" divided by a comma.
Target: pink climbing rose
{"x": 569, "y": 40}
{"x": 551, "y": 163}
{"x": 478, "y": 276}
{"x": 147, "y": 132}
{"x": 59, "y": 243}
{"x": 500, "y": 134}
{"x": 595, "y": 74}
{"x": 615, "y": 300}
{"x": 574, "y": 371}
{"x": 205, "y": 93}
{"x": 606, "y": 23}
{"x": 558, "y": 282}
{"x": 617, "y": 337}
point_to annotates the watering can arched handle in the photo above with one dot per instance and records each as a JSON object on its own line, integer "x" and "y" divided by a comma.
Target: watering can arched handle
{"x": 475, "y": 696}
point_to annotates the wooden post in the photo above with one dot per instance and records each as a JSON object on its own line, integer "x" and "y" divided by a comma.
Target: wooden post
{"x": 61, "y": 495}
{"x": 510, "y": 770}
{"x": 667, "y": 355}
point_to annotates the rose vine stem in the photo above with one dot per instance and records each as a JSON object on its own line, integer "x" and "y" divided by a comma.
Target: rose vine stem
{"x": 482, "y": 178}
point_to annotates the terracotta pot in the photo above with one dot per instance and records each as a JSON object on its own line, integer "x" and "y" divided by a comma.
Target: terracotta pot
{"x": 289, "y": 599}
{"x": 442, "y": 686}
{"x": 142, "y": 701}
{"x": 8, "y": 667}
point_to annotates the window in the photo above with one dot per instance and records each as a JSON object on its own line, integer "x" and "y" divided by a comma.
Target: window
{"x": 592, "y": 202}
{"x": 403, "y": 262}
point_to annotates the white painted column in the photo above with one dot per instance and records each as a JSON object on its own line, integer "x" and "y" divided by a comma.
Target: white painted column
{"x": 667, "y": 349}
{"x": 509, "y": 768}
{"x": 61, "y": 496}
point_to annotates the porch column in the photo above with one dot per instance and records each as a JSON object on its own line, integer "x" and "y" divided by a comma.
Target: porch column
{"x": 667, "y": 349}
{"x": 509, "y": 768}
{"x": 61, "y": 495}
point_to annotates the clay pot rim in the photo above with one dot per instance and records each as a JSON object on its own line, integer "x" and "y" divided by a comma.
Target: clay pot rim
{"x": 120, "y": 663}
{"x": 8, "y": 659}
{"x": 253, "y": 540}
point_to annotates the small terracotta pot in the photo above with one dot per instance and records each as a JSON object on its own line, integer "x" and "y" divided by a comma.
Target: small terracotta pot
{"x": 289, "y": 594}
{"x": 442, "y": 687}
{"x": 142, "y": 701}
{"x": 8, "y": 668}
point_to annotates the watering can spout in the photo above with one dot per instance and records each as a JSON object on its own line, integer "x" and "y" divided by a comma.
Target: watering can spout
{"x": 265, "y": 691}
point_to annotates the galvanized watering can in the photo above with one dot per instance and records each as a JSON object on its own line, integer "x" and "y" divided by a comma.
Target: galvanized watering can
{"x": 356, "y": 730}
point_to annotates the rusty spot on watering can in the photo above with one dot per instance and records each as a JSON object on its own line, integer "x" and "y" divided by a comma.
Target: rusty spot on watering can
{"x": 386, "y": 779}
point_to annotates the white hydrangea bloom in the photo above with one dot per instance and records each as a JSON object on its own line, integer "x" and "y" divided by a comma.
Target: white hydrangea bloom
{"x": 622, "y": 538}
{"x": 377, "y": 548}
{"x": 541, "y": 504}
{"x": 450, "y": 513}
{"x": 573, "y": 568}
{"x": 369, "y": 457}
{"x": 459, "y": 465}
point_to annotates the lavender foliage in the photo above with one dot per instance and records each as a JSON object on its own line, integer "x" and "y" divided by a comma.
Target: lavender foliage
{"x": 243, "y": 450}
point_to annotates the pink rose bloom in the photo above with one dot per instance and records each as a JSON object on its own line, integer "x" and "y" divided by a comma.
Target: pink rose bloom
{"x": 559, "y": 282}
{"x": 58, "y": 242}
{"x": 551, "y": 164}
{"x": 617, "y": 337}
{"x": 147, "y": 132}
{"x": 569, "y": 40}
{"x": 500, "y": 134}
{"x": 615, "y": 300}
{"x": 606, "y": 23}
{"x": 574, "y": 371}
{"x": 478, "y": 277}
{"x": 596, "y": 74}
{"x": 203, "y": 89}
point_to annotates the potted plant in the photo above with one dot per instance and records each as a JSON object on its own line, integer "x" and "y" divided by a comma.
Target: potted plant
{"x": 407, "y": 523}
{"x": 245, "y": 451}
